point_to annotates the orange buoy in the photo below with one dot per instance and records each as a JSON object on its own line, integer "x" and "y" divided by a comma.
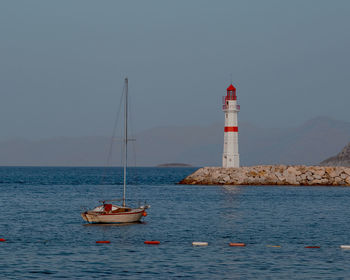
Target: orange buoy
{"x": 312, "y": 247}
{"x": 152, "y": 242}
{"x": 2, "y": 239}
{"x": 103, "y": 241}
{"x": 144, "y": 214}
{"x": 237, "y": 244}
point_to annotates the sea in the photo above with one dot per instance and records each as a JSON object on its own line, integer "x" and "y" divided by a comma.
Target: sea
{"x": 46, "y": 238}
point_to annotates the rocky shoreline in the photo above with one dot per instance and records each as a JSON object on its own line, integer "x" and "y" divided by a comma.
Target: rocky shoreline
{"x": 297, "y": 175}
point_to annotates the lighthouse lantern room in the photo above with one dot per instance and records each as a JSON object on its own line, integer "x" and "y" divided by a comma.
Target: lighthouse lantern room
{"x": 230, "y": 157}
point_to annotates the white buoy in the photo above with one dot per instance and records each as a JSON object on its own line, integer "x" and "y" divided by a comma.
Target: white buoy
{"x": 345, "y": 246}
{"x": 198, "y": 243}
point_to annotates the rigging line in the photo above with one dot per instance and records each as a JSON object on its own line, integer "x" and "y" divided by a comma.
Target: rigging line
{"x": 121, "y": 152}
{"x": 115, "y": 127}
{"x": 132, "y": 133}
{"x": 135, "y": 169}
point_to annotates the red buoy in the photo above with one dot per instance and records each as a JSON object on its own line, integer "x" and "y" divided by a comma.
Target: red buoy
{"x": 312, "y": 247}
{"x": 237, "y": 244}
{"x": 144, "y": 214}
{"x": 103, "y": 241}
{"x": 152, "y": 242}
{"x": 2, "y": 239}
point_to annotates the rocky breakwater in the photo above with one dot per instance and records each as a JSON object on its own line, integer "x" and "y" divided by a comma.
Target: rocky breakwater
{"x": 271, "y": 175}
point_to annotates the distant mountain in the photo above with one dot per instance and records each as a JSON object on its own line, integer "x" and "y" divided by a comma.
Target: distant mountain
{"x": 309, "y": 143}
{"x": 341, "y": 159}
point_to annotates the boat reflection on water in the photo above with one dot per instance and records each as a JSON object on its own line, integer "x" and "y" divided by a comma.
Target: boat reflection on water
{"x": 114, "y": 225}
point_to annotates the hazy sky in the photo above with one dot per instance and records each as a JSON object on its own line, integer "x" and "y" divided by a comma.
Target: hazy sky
{"x": 62, "y": 63}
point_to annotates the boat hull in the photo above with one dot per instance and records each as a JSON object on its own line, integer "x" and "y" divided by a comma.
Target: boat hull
{"x": 113, "y": 218}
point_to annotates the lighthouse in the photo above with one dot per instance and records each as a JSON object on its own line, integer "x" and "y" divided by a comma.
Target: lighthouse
{"x": 230, "y": 157}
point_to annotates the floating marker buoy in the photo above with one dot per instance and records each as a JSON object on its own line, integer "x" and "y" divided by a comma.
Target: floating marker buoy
{"x": 103, "y": 241}
{"x": 198, "y": 243}
{"x": 274, "y": 246}
{"x": 345, "y": 246}
{"x": 152, "y": 242}
{"x": 312, "y": 247}
{"x": 144, "y": 214}
{"x": 2, "y": 239}
{"x": 237, "y": 244}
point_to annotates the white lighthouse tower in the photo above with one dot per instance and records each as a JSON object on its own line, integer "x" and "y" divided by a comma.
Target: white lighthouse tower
{"x": 230, "y": 157}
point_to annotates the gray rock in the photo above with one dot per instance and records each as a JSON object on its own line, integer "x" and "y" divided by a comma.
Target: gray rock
{"x": 271, "y": 175}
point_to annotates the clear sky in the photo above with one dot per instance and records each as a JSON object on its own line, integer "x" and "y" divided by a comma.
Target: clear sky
{"x": 62, "y": 63}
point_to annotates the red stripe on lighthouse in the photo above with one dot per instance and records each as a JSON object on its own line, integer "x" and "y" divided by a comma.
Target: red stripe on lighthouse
{"x": 231, "y": 128}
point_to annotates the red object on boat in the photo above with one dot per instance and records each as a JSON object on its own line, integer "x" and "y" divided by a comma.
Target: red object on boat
{"x": 2, "y": 239}
{"x": 103, "y": 241}
{"x": 312, "y": 247}
{"x": 108, "y": 207}
{"x": 152, "y": 242}
{"x": 144, "y": 214}
{"x": 237, "y": 244}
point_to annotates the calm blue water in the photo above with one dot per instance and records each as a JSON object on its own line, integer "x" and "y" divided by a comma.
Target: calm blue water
{"x": 47, "y": 239}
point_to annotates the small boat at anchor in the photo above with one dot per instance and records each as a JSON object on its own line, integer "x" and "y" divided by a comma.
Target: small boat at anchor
{"x": 108, "y": 213}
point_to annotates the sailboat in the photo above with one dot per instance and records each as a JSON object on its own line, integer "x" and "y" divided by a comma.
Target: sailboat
{"x": 107, "y": 212}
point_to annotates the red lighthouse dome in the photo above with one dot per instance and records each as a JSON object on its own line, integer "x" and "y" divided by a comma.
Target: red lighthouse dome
{"x": 231, "y": 88}
{"x": 231, "y": 93}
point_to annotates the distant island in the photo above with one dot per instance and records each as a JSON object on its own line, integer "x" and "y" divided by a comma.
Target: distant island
{"x": 174, "y": 165}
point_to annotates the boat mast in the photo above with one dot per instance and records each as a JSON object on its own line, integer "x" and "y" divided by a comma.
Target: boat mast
{"x": 125, "y": 137}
